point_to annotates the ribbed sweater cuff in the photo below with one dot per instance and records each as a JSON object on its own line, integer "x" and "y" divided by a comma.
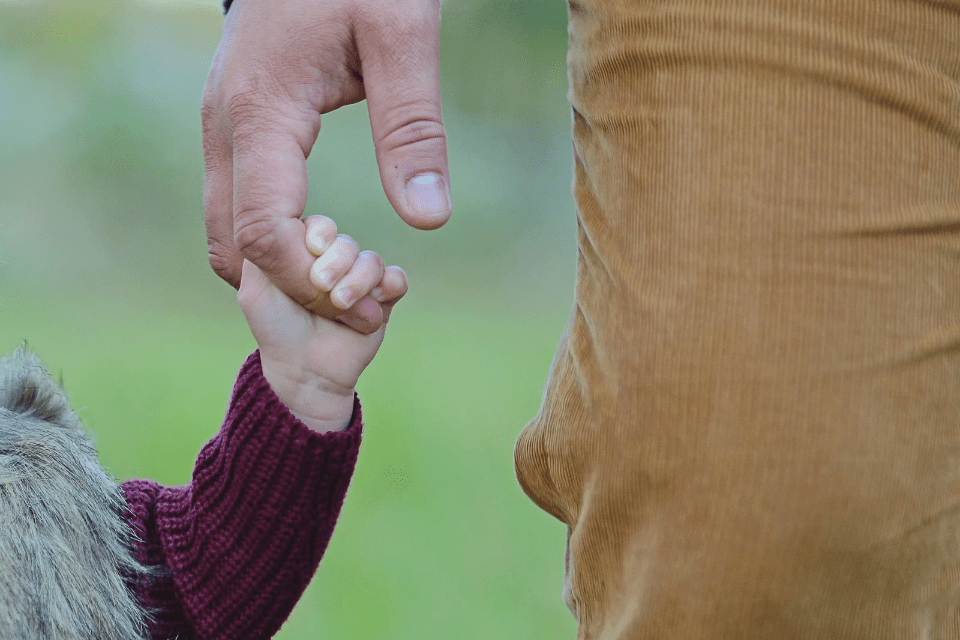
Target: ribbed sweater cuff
{"x": 246, "y": 536}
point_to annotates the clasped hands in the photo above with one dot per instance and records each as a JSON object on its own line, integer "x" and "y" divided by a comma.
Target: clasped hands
{"x": 280, "y": 65}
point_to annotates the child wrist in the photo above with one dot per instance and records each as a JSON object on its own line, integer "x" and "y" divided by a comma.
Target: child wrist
{"x": 318, "y": 403}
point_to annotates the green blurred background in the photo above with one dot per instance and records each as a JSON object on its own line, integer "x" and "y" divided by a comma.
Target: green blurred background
{"x": 103, "y": 271}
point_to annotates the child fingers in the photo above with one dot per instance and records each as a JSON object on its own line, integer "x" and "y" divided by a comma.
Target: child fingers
{"x": 335, "y": 262}
{"x": 321, "y": 233}
{"x": 364, "y": 275}
{"x": 391, "y": 288}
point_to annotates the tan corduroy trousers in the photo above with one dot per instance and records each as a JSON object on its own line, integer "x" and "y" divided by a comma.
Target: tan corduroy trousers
{"x": 752, "y": 425}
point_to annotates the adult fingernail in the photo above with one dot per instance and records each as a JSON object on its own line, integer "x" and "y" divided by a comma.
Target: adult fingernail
{"x": 428, "y": 195}
{"x": 376, "y": 294}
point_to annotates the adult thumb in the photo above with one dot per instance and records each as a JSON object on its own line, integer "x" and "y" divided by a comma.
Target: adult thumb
{"x": 399, "y": 56}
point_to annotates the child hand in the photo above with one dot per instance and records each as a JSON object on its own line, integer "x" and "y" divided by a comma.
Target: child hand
{"x": 313, "y": 363}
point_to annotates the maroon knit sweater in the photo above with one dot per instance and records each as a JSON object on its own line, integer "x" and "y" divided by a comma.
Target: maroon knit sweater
{"x": 244, "y": 538}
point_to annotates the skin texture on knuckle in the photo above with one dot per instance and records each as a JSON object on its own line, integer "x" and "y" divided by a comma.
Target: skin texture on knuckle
{"x": 413, "y": 129}
{"x": 251, "y": 99}
{"x": 256, "y": 235}
{"x": 209, "y": 118}
{"x": 256, "y": 124}
{"x": 210, "y": 100}
{"x": 248, "y": 122}
{"x": 398, "y": 25}
{"x": 224, "y": 263}
{"x": 235, "y": 93}
{"x": 280, "y": 87}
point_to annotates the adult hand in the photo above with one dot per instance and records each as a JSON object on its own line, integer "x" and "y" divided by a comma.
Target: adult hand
{"x": 279, "y": 66}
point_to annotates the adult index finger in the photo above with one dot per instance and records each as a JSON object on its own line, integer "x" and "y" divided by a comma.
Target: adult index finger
{"x": 269, "y": 196}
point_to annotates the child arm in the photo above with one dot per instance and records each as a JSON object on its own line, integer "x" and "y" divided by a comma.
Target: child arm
{"x": 244, "y": 538}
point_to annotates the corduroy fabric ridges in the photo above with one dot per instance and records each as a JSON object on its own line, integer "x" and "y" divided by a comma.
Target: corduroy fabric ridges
{"x": 245, "y": 537}
{"x": 752, "y": 424}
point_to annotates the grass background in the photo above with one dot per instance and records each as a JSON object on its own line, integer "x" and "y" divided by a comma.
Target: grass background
{"x": 103, "y": 271}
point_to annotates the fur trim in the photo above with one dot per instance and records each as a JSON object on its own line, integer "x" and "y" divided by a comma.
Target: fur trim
{"x": 65, "y": 548}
